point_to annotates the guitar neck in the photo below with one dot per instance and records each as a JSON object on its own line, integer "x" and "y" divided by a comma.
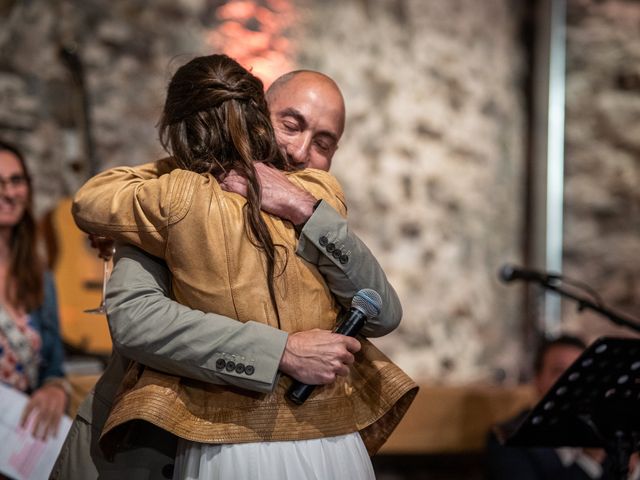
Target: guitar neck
{"x": 73, "y": 61}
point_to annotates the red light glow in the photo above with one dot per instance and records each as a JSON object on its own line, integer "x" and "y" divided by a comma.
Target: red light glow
{"x": 254, "y": 33}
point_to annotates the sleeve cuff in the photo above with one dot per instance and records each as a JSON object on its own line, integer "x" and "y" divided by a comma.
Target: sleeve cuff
{"x": 323, "y": 215}
{"x": 257, "y": 370}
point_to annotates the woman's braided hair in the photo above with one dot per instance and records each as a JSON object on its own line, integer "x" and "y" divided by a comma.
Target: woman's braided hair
{"x": 216, "y": 119}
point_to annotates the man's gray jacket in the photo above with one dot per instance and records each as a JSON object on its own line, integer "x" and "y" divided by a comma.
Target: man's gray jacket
{"x": 150, "y": 328}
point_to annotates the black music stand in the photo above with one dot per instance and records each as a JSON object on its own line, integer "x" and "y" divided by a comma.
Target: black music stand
{"x": 595, "y": 403}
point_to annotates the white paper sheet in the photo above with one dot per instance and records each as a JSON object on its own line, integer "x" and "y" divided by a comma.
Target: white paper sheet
{"x": 21, "y": 456}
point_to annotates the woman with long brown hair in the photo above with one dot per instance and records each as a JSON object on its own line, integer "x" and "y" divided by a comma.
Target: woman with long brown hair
{"x": 30, "y": 347}
{"x": 216, "y": 120}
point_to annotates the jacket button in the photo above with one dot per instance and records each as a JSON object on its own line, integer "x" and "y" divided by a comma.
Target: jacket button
{"x": 330, "y": 247}
{"x": 240, "y": 368}
{"x": 231, "y": 366}
{"x": 249, "y": 369}
{"x": 336, "y": 253}
{"x": 344, "y": 259}
{"x": 220, "y": 363}
{"x": 323, "y": 240}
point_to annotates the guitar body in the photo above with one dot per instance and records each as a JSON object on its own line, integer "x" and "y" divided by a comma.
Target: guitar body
{"x": 78, "y": 272}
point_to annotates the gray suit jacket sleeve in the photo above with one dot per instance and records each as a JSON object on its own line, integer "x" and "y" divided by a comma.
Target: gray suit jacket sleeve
{"x": 324, "y": 235}
{"x": 148, "y": 327}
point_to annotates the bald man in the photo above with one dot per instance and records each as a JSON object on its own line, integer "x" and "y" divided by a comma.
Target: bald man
{"x": 308, "y": 115}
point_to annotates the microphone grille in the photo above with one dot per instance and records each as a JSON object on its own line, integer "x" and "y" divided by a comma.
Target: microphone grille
{"x": 368, "y": 302}
{"x": 507, "y": 273}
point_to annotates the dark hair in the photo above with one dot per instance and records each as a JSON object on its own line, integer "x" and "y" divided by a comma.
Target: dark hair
{"x": 216, "y": 119}
{"x": 24, "y": 287}
{"x": 548, "y": 343}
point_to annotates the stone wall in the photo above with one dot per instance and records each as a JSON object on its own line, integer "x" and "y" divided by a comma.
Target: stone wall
{"x": 432, "y": 160}
{"x": 432, "y": 163}
{"x": 127, "y": 50}
{"x": 602, "y": 211}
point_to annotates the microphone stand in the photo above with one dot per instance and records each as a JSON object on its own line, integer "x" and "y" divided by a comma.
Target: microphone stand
{"x": 615, "y": 317}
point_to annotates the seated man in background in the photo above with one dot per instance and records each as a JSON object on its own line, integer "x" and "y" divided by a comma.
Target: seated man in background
{"x": 509, "y": 463}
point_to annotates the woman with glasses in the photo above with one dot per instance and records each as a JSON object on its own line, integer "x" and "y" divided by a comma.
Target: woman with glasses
{"x": 30, "y": 346}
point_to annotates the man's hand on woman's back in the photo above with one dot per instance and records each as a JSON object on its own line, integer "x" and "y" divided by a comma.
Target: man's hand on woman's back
{"x": 279, "y": 197}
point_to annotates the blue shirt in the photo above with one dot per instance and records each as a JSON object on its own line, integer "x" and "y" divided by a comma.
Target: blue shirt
{"x": 45, "y": 320}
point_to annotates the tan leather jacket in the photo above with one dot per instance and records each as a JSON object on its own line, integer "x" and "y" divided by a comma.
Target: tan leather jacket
{"x": 198, "y": 229}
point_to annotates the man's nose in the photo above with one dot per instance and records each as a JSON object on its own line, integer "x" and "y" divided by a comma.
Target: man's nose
{"x": 299, "y": 150}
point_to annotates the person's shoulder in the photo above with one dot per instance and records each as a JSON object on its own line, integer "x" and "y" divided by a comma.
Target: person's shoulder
{"x": 166, "y": 167}
{"x": 319, "y": 183}
{"x": 178, "y": 183}
{"x": 313, "y": 175}
{"x": 49, "y": 296}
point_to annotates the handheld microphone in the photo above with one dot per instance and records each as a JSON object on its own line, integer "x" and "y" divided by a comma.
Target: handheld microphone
{"x": 509, "y": 273}
{"x": 366, "y": 304}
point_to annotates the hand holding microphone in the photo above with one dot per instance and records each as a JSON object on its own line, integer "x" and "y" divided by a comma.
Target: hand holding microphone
{"x": 366, "y": 304}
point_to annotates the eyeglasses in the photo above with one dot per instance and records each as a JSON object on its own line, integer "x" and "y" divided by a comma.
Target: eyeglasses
{"x": 14, "y": 181}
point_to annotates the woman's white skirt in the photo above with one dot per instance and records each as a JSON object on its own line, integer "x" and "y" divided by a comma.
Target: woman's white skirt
{"x": 319, "y": 459}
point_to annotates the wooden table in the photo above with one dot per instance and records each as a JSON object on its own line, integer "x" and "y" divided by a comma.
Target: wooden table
{"x": 455, "y": 419}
